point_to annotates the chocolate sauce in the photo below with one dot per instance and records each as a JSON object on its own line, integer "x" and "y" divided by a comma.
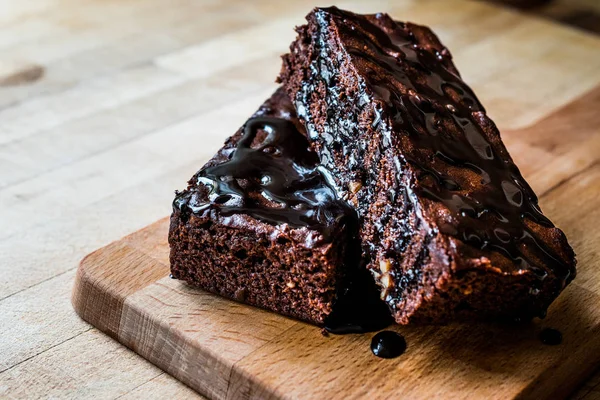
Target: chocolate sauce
{"x": 278, "y": 180}
{"x": 438, "y": 123}
{"x": 388, "y": 344}
{"x": 551, "y": 337}
{"x": 359, "y": 309}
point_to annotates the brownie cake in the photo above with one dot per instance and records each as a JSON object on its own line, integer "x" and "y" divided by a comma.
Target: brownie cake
{"x": 448, "y": 225}
{"x": 259, "y": 223}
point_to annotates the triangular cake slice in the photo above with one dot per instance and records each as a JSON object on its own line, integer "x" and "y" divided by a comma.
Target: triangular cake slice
{"x": 261, "y": 224}
{"x": 449, "y": 226}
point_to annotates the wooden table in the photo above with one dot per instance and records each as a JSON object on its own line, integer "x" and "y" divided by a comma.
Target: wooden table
{"x": 98, "y": 100}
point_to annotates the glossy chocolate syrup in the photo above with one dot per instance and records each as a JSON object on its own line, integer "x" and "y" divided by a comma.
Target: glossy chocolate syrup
{"x": 388, "y": 344}
{"x": 551, "y": 337}
{"x": 439, "y": 120}
{"x": 277, "y": 181}
{"x": 359, "y": 309}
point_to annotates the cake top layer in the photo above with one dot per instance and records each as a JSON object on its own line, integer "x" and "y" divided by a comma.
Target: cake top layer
{"x": 473, "y": 190}
{"x": 268, "y": 171}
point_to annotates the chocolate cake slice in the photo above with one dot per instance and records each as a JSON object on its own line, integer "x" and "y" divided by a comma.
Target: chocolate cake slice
{"x": 449, "y": 227}
{"x": 260, "y": 223}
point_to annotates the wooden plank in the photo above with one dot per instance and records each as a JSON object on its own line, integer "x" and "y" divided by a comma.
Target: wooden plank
{"x": 44, "y": 39}
{"x": 581, "y": 14}
{"x": 46, "y": 309}
{"x": 210, "y": 333}
{"x": 164, "y": 385}
{"x": 162, "y": 35}
{"x": 107, "y": 128}
{"x": 104, "y": 374}
{"x": 102, "y": 93}
{"x": 229, "y": 50}
{"x": 573, "y": 206}
{"x": 565, "y": 129}
{"x": 566, "y": 142}
{"x": 463, "y": 361}
{"x": 80, "y": 26}
{"x": 90, "y": 291}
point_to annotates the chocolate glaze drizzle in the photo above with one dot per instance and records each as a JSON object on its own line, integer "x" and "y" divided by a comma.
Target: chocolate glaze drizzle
{"x": 441, "y": 119}
{"x": 277, "y": 181}
{"x": 388, "y": 344}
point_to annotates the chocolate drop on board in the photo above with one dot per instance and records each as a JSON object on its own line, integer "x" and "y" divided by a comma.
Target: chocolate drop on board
{"x": 388, "y": 344}
{"x": 551, "y": 337}
{"x": 359, "y": 309}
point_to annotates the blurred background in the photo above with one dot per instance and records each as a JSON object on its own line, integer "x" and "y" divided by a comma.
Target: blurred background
{"x": 108, "y": 106}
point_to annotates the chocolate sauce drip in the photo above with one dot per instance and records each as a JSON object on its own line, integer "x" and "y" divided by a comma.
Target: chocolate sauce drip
{"x": 359, "y": 309}
{"x": 551, "y": 337}
{"x": 388, "y": 344}
{"x": 277, "y": 181}
{"x": 440, "y": 116}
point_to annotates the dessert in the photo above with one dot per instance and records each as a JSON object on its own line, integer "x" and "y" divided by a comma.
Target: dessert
{"x": 259, "y": 223}
{"x": 448, "y": 226}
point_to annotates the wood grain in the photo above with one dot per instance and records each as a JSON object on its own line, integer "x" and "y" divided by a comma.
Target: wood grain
{"x": 90, "y": 149}
{"x": 580, "y": 14}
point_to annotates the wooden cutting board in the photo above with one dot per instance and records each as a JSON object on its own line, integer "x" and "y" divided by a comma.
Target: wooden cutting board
{"x": 226, "y": 350}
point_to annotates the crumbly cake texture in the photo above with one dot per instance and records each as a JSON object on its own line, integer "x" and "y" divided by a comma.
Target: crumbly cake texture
{"x": 259, "y": 223}
{"x": 448, "y": 226}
